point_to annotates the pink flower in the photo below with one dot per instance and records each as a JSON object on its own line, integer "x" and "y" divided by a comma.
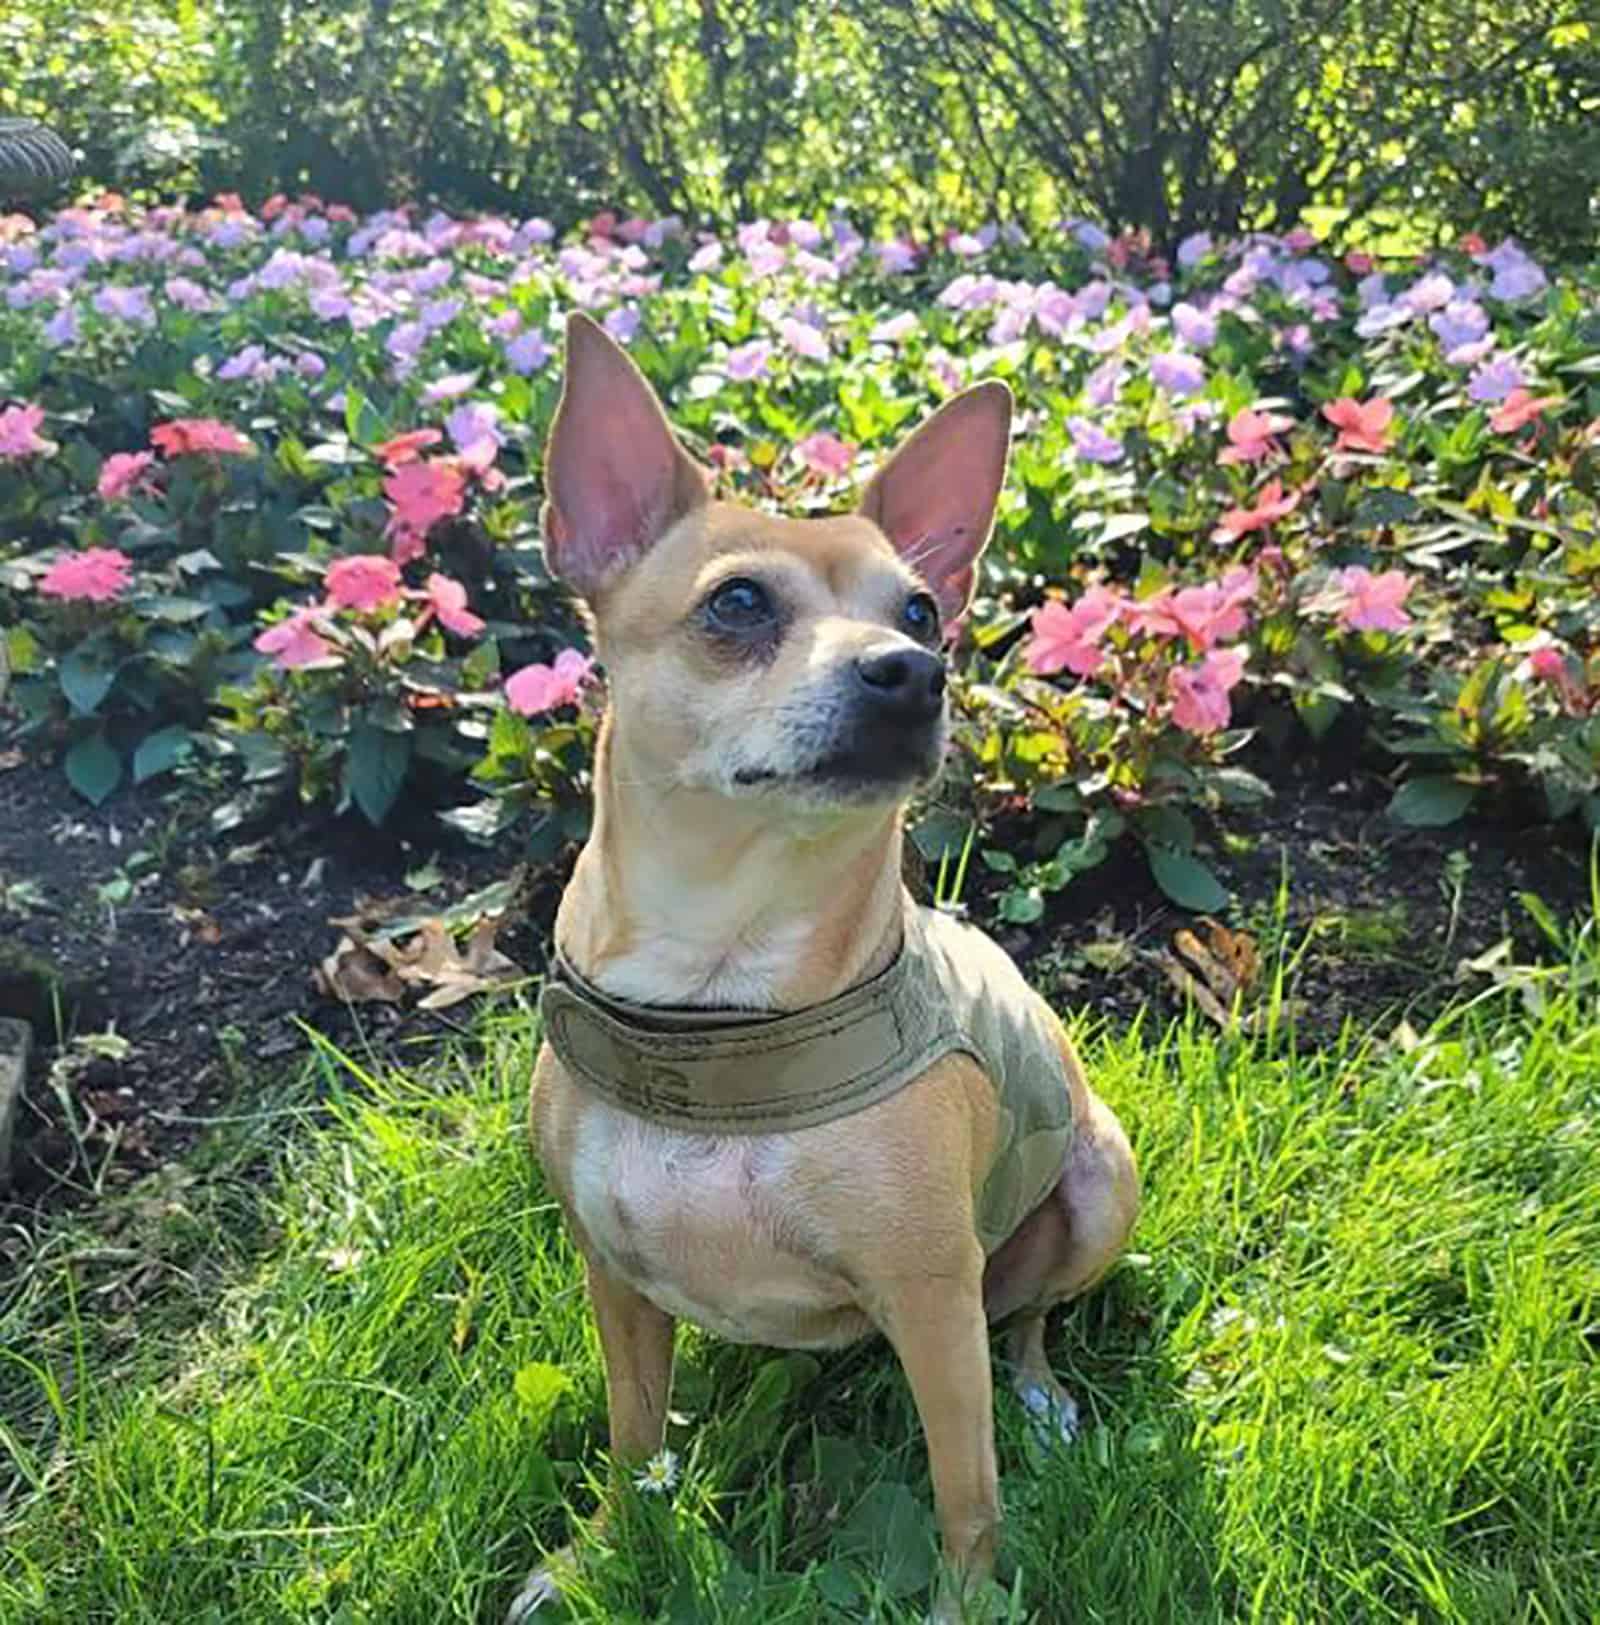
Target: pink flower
{"x": 19, "y": 433}
{"x": 1359, "y": 264}
{"x": 1202, "y": 615}
{"x": 421, "y": 494}
{"x": 1200, "y": 693}
{"x": 1250, "y": 436}
{"x": 122, "y": 473}
{"x": 1371, "y": 603}
{"x": 406, "y": 448}
{"x": 448, "y": 600}
{"x": 366, "y": 581}
{"x": 1362, "y": 426}
{"x": 294, "y": 642}
{"x": 97, "y": 574}
{"x": 1070, "y": 638}
{"x": 191, "y": 436}
{"x": 1519, "y": 409}
{"x": 1547, "y": 664}
{"x": 1271, "y": 506}
{"x": 1565, "y": 676}
{"x": 542, "y": 688}
{"x": 826, "y": 454}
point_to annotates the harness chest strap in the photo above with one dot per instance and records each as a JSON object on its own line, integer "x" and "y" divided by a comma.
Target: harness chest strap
{"x": 744, "y": 1072}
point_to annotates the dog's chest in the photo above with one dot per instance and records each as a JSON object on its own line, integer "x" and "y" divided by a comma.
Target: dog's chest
{"x": 713, "y": 1230}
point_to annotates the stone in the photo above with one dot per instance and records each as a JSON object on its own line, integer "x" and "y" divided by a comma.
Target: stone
{"x": 16, "y": 1039}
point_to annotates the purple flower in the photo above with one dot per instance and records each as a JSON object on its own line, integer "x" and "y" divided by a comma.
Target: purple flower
{"x": 528, "y": 352}
{"x": 1373, "y": 289}
{"x": 246, "y": 364}
{"x": 1495, "y": 379}
{"x": 623, "y": 323}
{"x": 1197, "y": 328}
{"x": 309, "y": 364}
{"x": 406, "y": 341}
{"x": 752, "y": 360}
{"x": 1515, "y": 275}
{"x": 1193, "y": 249}
{"x": 1093, "y": 298}
{"x": 803, "y": 339}
{"x": 125, "y": 304}
{"x": 451, "y": 387}
{"x": 1105, "y": 383}
{"x": 474, "y": 421}
{"x": 1093, "y": 444}
{"x": 1431, "y": 293}
{"x": 894, "y": 257}
{"x": 1462, "y": 321}
{"x": 1092, "y": 238}
{"x": 1380, "y": 318}
{"x": 1055, "y": 309}
{"x": 330, "y": 305}
{"x": 440, "y": 313}
{"x": 62, "y": 328}
{"x": 892, "y": 330}
{"x": 1178, "y": 373}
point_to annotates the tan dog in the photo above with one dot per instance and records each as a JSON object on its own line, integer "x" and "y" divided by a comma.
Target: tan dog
{"x": 777, "y": 693}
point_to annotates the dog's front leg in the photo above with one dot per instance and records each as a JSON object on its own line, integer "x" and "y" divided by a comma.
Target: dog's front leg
{"x": 937, "y": 1326}
{"x": 636, "y": 1341}
{"x": 636, "y": 1344}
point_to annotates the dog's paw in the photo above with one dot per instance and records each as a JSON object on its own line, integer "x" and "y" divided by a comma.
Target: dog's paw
{"x": 541, "y": 1587}
{"x": 1052, "y": 1412}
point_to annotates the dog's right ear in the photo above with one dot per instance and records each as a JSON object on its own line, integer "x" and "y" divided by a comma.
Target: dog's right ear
{"x": 615, "y": 478}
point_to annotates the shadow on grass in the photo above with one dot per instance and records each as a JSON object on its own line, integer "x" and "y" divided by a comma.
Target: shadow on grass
{"x": 1346, "y": 1375}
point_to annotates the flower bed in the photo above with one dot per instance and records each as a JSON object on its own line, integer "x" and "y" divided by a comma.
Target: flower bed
{"x": 269, "y": 497}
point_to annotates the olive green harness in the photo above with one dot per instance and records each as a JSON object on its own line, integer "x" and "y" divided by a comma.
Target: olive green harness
{"x": 950, "y": 989}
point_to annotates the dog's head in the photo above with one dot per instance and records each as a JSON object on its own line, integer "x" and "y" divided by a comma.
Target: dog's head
{"x": 758, "y": 656}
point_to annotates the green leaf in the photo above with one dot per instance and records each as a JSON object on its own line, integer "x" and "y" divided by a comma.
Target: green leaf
{"x": 1239, "y": 787}
{"x": 159, "y": 752}
{"x": 1185, "y": 879}
{"x": 1022, "y": 905}
{"x": 84, "y": 680}
{"x": 540, "y": 1388}
{"x": 1001, "y": 862}
{"x": 93, "y": 768}
{"x": 376, "y": 769}
{"x": 889, "y": 1531}
{"x": 1431, "y": 802}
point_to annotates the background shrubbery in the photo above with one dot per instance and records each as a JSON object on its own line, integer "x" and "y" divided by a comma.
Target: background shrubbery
{"x": 269, "y": 487}
{"x": 1406, "y": 118}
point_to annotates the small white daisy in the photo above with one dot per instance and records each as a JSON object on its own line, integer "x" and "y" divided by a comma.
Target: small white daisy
{"x": 660, "y": 1473}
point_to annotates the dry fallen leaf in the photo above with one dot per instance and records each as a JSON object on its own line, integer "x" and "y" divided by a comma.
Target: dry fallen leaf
{"x": 10, "y": 759}
{"x": 367, "y": 966}
{"x": 1214, "y": 973}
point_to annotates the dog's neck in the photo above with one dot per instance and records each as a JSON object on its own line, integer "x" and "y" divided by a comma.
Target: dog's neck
{"x": 687, "y": 897}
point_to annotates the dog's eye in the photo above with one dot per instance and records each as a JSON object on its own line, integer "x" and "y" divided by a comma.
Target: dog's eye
{"x": 740, "y": 605}
{"x": 920, "y": 617}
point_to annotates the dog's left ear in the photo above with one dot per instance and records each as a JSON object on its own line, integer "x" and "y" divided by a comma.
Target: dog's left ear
{"x": 934, "y": 498}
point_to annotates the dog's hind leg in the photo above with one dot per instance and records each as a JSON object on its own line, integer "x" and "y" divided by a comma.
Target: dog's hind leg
{"x": 1064, "y": 1246}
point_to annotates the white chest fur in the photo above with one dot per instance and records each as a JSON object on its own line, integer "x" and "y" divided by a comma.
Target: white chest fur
{"x": 713, "y": 1230}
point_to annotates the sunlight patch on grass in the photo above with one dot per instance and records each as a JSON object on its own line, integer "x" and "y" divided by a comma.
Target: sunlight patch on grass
{"x": 1350, "y": 1372}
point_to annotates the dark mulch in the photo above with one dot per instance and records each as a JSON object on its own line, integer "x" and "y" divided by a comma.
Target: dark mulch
{"x": 200, "y": 951}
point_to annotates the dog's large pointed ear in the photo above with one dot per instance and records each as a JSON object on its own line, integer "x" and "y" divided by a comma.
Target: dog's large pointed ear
{"x": 615, "y": 477}
{"x": 935, "y": 497}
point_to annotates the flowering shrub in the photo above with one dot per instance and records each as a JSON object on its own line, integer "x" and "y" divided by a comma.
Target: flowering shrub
{"x": 281, "y": 470}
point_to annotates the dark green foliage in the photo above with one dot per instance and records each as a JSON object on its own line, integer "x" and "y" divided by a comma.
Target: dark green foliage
{"x": 1171, "y": 115}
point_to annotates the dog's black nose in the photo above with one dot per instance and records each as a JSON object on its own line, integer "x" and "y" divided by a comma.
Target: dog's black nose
{"x": 907, "y": 684}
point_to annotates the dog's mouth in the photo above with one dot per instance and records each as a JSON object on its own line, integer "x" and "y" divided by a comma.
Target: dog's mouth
{"x": 850, "y": 774}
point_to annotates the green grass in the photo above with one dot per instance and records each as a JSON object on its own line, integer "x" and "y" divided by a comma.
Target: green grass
{"x": 1352, "y": 1371}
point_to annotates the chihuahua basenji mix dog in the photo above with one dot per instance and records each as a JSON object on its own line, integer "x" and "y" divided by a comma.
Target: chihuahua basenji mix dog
{"x": 760, "y": 1103}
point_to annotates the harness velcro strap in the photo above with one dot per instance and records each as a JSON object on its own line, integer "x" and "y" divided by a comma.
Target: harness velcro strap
{"x": 743, "y": 1072}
